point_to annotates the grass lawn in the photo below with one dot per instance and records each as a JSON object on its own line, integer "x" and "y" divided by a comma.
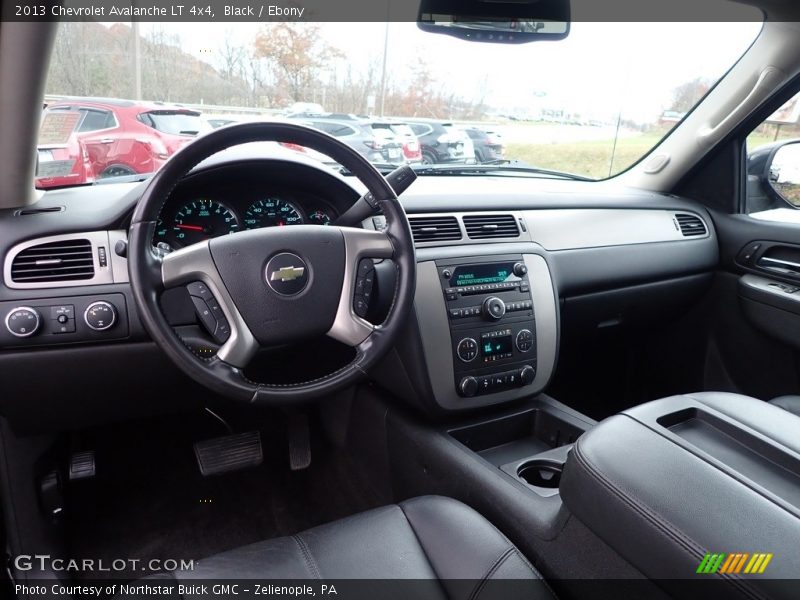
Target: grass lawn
{"x": 588, "y": 158}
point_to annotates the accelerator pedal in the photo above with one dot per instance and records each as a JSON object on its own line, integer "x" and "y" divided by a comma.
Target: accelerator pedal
{"x": 299, "y": 441}
{"x": 229, "y": 453}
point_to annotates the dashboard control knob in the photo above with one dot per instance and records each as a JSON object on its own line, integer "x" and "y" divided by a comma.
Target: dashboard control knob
{"x": 527, "y": 375}
{"x": 100, "y": 315}
{"x": 524, "y": 340}
{"x": 494, "y": 308}
{"x": 520, "y": 269}
{"x": 467, "y": 350}
{"x": 23, "y": 321}
{"x": 468, "y": 386}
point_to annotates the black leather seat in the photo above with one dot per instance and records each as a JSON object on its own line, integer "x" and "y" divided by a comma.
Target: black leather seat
{"x": 790, "y": 403}
{"x": 427, "y": 538}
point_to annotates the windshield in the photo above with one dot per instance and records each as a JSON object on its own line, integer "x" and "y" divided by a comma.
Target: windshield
{"x": 124, "y": 98}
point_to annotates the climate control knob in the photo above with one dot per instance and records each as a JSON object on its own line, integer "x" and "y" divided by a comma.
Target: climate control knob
{"x": 100, "y": 315}
{"x": 527, "y": 375}
{"x": 468, "y": 386}
{"x": 494, "y": 308}
{"x": 467, "y": 350}
{"x": 23, "y": 321}
{"x": 524, "y": 340}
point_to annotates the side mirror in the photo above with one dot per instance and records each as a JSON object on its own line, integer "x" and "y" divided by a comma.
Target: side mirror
{"x": 782, "y": 172}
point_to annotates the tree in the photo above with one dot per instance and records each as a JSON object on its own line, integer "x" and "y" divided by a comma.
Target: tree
{"x": 686, "y": 95}
{"x": 298, "y": 53}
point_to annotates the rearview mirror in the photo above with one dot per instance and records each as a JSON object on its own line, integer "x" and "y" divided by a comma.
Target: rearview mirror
{"x": 504, "y": 22}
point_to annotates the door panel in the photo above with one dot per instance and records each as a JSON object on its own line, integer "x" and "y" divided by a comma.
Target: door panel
{"x": 754, "y": 344}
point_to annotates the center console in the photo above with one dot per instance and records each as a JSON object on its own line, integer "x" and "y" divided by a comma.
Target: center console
{"x": 702, "y": 485}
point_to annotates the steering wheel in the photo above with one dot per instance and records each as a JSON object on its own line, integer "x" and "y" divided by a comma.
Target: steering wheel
{"x": 276, "y": 285}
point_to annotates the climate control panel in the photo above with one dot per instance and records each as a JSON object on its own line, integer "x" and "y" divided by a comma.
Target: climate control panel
{"x": 63, "y": 320}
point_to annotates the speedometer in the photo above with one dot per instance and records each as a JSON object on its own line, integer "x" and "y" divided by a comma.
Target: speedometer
{"x": 200, "y": 220}
{"x": 269, "y": 212}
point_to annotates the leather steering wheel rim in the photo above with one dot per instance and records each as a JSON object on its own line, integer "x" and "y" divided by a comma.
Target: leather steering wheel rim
{"x": 148, "y": 272}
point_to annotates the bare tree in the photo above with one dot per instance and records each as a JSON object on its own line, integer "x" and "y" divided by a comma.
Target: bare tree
{"x": 298, "y": 53}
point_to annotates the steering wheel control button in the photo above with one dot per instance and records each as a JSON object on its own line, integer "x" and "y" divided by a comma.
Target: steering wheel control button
{"x": 200, "y": 290}
{"x": 100, "y": 315}
{"x": 493, "y": 308}
{"x": 212, "y": 318}
{"x": 467, "y": 350}
{"x": 22, "y": 321}
{"x": 365, "y": 280}
{"x": 524, "y": 340}
{"x": 286, "y": 274}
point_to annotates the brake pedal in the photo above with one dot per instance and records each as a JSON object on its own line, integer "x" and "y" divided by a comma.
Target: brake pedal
{"x": 229, "y": 453}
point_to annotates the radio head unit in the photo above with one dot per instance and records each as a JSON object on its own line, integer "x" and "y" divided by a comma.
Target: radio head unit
{"x": 492, "y": 325}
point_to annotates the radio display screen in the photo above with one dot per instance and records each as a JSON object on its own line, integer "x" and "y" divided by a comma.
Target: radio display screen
{"x": 482, "y": 274}
{"x": 496, "y": 345}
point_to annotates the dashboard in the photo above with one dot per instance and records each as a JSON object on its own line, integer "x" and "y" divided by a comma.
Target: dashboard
{"x": 193, "y": 215}
{"x": 575, "y": 246}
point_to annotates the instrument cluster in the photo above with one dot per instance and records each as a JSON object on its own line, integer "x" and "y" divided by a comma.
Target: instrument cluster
{"x": 198, "y": 218}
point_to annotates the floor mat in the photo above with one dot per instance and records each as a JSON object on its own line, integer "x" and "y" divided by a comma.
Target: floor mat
{"x": 149, "y": 500}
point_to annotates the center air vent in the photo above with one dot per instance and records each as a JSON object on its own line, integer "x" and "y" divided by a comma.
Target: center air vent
{"x": 480, "y": 227}
{"x": 66, "y": 260}
{"x": 435, "y": 229}
{"x": 691, "y": 225}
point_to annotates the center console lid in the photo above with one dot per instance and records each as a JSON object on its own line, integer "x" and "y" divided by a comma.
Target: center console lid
{"x": 674, "y": 480}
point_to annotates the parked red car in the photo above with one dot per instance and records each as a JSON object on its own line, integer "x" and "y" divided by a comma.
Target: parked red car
{"x": 86, "y": 139}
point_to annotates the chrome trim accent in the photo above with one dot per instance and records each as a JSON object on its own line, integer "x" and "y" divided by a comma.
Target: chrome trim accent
{"x": 119, "y": 264}
{"x": 348, "y": 327}
{"x": 195, "y": 263}
{"x": 113, "y": 315}
{"x": 789, "y": 264}
{"x": 23, "y": 335}
{"x": 102, "y": 275}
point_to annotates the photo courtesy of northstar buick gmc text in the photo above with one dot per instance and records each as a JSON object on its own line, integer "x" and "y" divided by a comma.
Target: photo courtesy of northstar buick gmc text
{"x": 414, "y": 299}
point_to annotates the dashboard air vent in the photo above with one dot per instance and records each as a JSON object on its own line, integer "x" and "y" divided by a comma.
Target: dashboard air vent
{"x": 691, "y": 225}
{"x": 66, "y": 260}
{"x": 481, "y": 227}
{"x": 435, "y": 229}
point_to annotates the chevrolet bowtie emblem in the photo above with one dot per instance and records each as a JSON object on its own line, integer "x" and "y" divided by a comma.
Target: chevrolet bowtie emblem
{"x": 287, "y": 274}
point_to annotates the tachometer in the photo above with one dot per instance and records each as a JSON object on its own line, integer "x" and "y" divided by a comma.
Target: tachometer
{"x": 200, "y": 220}
{"x": 269, "y": 212}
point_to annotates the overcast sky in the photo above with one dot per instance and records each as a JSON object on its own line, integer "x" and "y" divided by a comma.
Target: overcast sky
{"x": 599, "y": 69}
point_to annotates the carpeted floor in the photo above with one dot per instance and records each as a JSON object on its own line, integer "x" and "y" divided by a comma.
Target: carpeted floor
{"x": 149, "y": 500}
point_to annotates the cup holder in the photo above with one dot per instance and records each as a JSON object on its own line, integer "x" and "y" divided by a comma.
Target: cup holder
{"x": 541, "y": 473}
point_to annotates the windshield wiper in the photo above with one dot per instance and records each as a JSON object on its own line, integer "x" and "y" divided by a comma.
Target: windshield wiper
{"x": 493, "y": 167}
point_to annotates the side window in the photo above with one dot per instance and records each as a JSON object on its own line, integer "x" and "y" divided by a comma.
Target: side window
{"x": 773, "y": 165}
{"x": 95, "y": 119}
{"x": 419, "y": 129}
